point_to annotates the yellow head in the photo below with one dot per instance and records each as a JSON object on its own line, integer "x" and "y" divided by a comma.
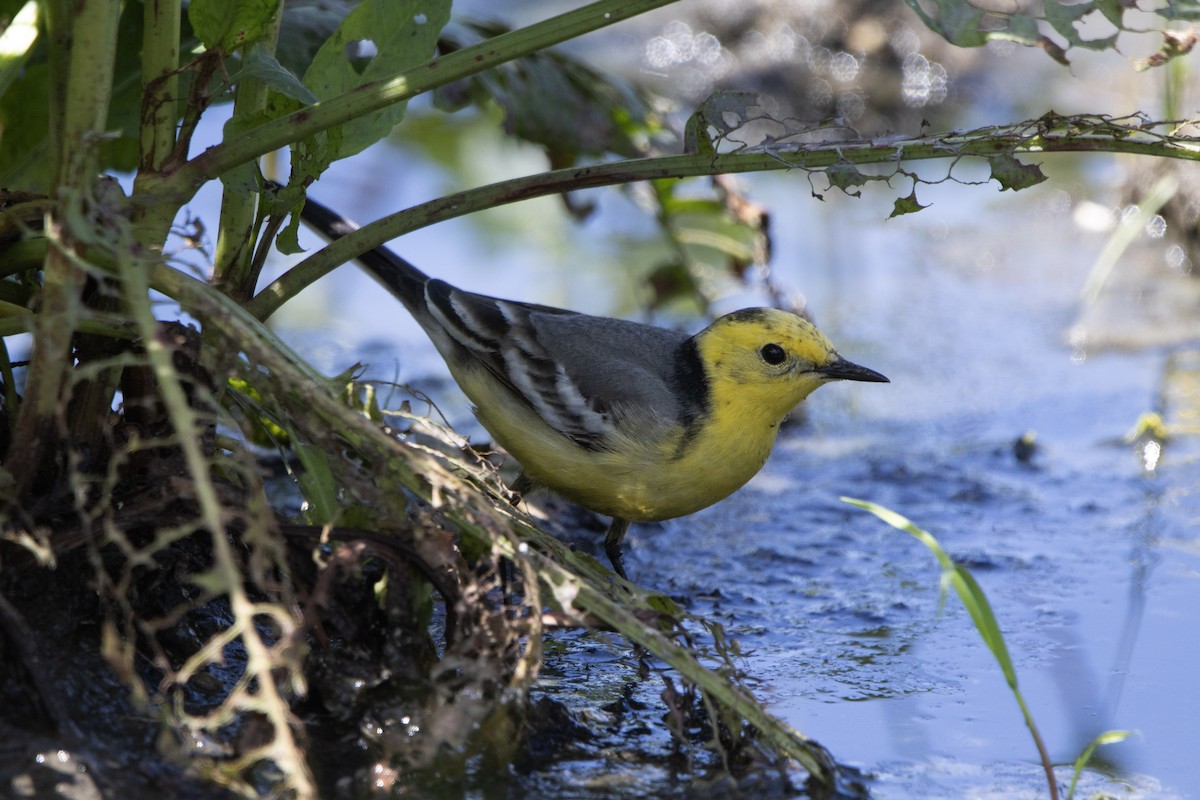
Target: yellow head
{"x": 761, "y": 362}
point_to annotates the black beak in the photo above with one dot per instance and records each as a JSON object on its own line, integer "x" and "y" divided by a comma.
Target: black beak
{"x": 843, "y": 370}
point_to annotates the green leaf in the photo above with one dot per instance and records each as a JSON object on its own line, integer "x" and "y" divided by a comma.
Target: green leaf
{"x": 1177, "y": 9}
{"x": 1064, "y": 20}
{"x": 310, "y": 157}
{"x": 728, "y": 111}
{"x": 963, "y": 583}
{"x": 695, "y": 137}
{"x": 672, "y": 281}
{"x": 305, "y": 27}
{"x": 1113, "y": 11}
{"x": 906, "y": 205}
{"x": 722, "y": 111}
{"x": 1012, "y": 174}
{"x": 977, "y": 605}
{"x": 554, "y": 100}
{"x": 261, "y": 426}
{"x": 843, "y": 176}
{"x": 125, "y": 108}
{"x": 288, "y": 240}
{"x": 675, "y": 203}
{"x": 401, "y": 33}
{"x": 962, "y": 23}
{"x": 727, "y": 238}
{"x": 1021, "y": 28}
{"x": 260, "y": 63}
{"x": 290, "y": 200}
{"x": 663, "y": 604}
{"x": 317, "y": 484}
{"x": 956, "y": 21}
{"x": 23, "y": 119}
{"x": 230, "y": 24}
{"x": 1108, "y": 737}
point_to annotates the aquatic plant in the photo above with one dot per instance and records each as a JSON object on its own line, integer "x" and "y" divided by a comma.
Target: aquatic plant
{"x": 959, "y": 578}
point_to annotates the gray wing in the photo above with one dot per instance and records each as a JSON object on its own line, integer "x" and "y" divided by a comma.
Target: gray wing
{"x": 580, "y": 373}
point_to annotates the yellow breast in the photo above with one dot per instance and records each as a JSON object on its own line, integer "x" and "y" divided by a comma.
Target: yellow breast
{"x": 662, "y": 473}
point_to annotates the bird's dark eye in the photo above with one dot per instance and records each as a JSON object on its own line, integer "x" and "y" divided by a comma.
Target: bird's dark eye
{"x": 773, "y": 354}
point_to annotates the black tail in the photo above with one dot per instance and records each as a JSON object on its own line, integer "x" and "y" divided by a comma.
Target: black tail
{"x": 401, "y": 278}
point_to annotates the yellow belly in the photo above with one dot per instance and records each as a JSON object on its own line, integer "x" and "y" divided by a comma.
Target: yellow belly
{"x": 645, "y": 479}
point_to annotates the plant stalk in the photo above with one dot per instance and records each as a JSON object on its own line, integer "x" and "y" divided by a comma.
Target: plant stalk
{"x": 573, "y": 179}
{"x": 81, "y": 86}
{"x": 162, "y": 21}
{"x": 233, "y": 267}
{"x": 179, "y": 187}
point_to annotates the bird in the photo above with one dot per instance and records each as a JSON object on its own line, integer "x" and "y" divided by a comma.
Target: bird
{"x": 632, "y": 421}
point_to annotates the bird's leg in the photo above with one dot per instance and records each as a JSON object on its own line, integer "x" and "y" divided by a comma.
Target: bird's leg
{"x": 612, "y": 544}
{"x": 522, "y": 486}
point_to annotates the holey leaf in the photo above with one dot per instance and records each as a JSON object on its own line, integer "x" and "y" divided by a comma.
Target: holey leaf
{"x": 844, "y": 176}
{"x": 376, "y": 40}
{"x": 1012, "y": 174}
{"x": 230, "y": 24}
{"x": 259, "y": 62}
{"x": 906, "y": 205}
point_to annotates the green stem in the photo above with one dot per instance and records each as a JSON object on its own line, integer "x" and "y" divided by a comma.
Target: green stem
{"x": 162, "y": 21}
{"x": 220, "y": 159}
{"x": 59, "y": 32}
{"x": 81, "y": 81}
{"x": 93, "y": 397}
{"x": 22, "y": 256}
{"x": 1047, "y": 764}
{"x": 685, "y": 166}
{"x": 109, "y": 327}
{"x": 89, "y": 82}
{"x": 233, "y": 268}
